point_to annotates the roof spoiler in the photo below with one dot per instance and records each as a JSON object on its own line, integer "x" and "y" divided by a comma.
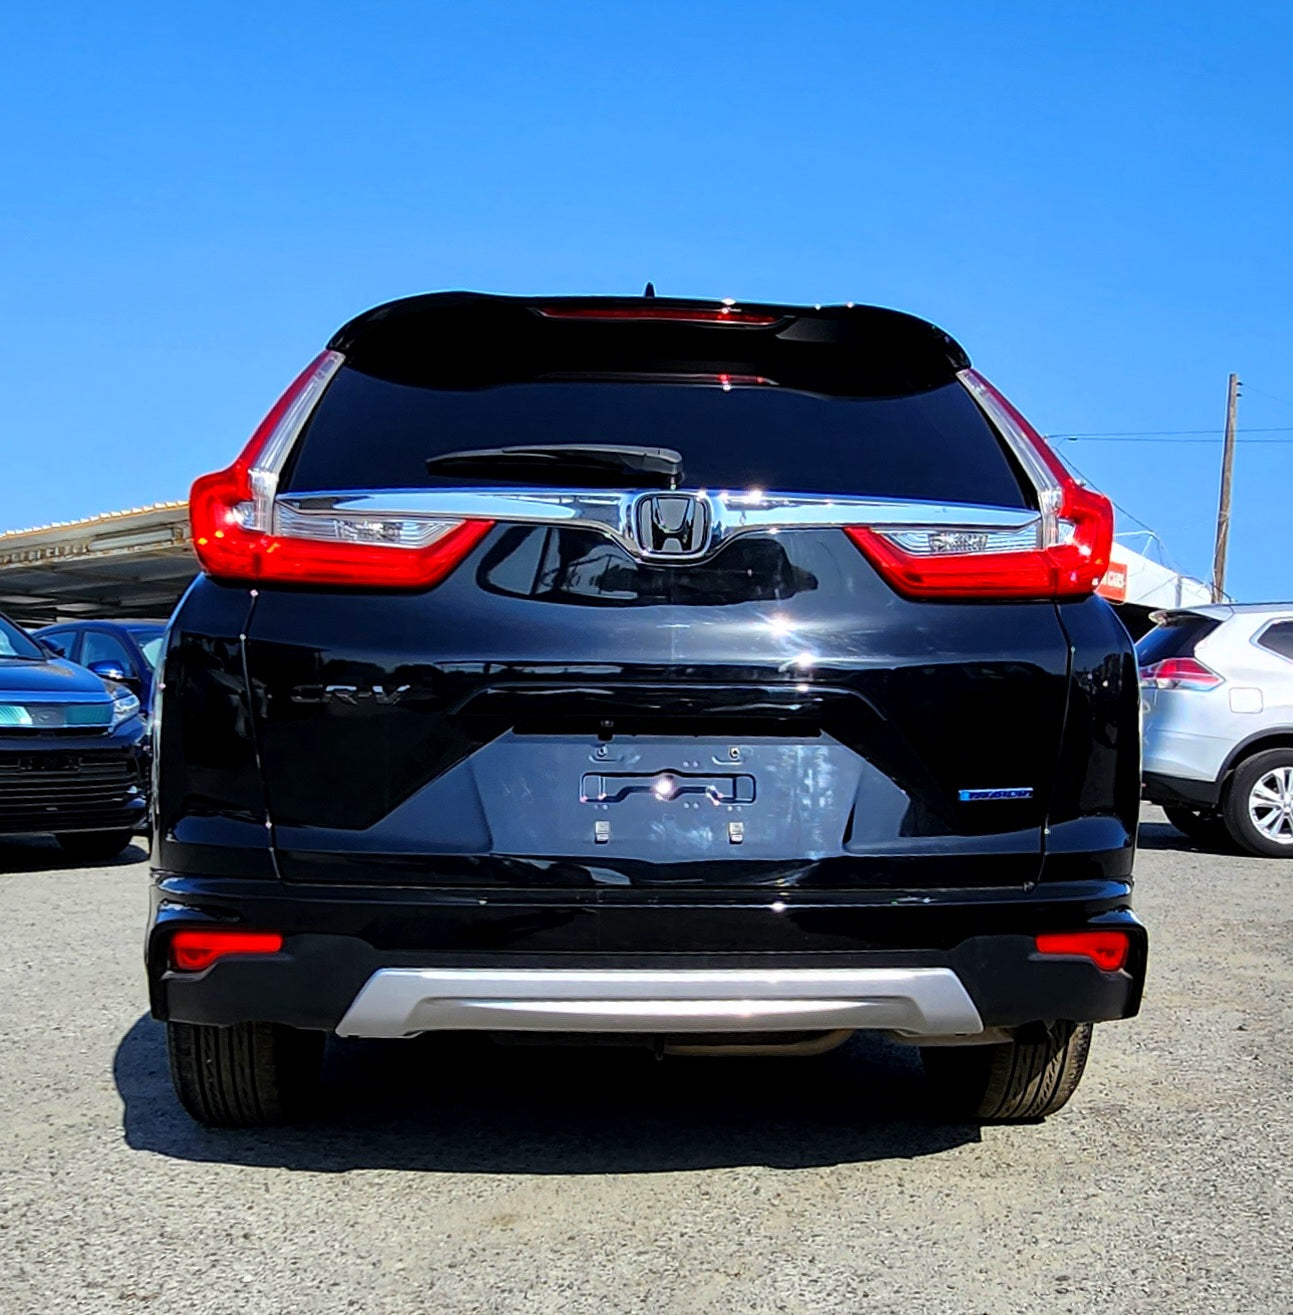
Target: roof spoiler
{"x": 470, "y": 339}
{"x": 1203, "y": 609}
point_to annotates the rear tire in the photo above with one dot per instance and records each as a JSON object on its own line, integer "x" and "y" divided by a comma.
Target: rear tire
{"x": 1254, "y": 816}
{"x": 1205, "y": 828}
{"x": 1023, "y": 1079}
{"x": 245, "y": 1075}
{"x": 94, "y": 846}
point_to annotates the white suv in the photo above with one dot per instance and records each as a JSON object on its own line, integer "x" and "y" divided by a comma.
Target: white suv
{"x": 1217, "y": 689}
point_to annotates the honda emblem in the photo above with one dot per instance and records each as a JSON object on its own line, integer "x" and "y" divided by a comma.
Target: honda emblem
{"x": 671, "y": 524}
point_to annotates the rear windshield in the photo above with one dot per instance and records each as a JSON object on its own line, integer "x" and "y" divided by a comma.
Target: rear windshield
{"x": 933, "y": 445}
{"x": 1175, "y": 637}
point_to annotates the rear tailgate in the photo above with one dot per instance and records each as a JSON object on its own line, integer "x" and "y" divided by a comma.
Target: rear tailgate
{"x": 570, "y": 708}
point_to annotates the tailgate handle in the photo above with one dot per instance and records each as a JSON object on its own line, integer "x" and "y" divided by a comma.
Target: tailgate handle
{"x": 614, "y": 787}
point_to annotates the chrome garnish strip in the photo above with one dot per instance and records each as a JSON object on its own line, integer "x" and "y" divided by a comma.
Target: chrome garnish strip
{"x": 613, "y": 512}
{"x": 1040, "y": 475}
{"x": 277, "y": 447}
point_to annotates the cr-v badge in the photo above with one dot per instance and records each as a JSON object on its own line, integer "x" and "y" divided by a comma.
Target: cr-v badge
{"x": 347, "y": 694}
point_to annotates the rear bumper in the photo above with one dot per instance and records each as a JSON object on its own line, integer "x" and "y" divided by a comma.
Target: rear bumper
{"x": 1188, "y": 737}
{"x": 946, "y": 965}
{"x": 397, "y": 1002}
{"x": 1160, "y": 788}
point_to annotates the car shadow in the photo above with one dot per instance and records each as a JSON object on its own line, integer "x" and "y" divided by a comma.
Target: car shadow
{"x": 462, "y": 1104}
{"x": 43, "y": 854}
{"x": 1163, "y": 835}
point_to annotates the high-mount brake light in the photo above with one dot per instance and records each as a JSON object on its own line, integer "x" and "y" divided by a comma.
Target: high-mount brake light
{"x": 1180, "y": 673}
{"x": 672, "y": 314}
{"x": 192, "y": 951}
{"x": 1106, "y": 949}
{"x": 240, "y": 533}
{"x": 1064, "y": 554}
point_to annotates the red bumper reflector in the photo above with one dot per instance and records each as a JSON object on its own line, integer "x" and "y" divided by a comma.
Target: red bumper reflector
{"x": 1105, "y": 949}
{"x": 192, "y": 951}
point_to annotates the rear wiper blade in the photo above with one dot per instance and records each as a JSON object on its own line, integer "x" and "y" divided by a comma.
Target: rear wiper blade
{"x": 602, "y": 464}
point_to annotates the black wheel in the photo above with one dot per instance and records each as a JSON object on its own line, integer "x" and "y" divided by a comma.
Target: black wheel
{"x": 1206, "y": 828}
{"x": 1259, "y": 804}
{"x": 1023, "y": 1079}
{"x": 245, "y": 1075}
{"x": 95, "y": 846}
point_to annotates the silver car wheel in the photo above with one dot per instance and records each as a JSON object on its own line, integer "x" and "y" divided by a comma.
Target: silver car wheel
{"x": 1270, "y": 805}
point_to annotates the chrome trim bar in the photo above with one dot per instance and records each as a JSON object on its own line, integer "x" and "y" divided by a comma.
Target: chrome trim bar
{"x": 613, "y": 512}
{"x": 402, "y": 1002}
{"x": 1049, "y": 493}
{"x": 277, "y": 447}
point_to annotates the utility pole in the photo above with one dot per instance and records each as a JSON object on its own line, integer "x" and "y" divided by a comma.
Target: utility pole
{"x": 1223, "y": 510}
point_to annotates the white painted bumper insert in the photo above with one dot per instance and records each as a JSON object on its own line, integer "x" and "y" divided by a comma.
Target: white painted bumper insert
{"x": 399, "y": 1002}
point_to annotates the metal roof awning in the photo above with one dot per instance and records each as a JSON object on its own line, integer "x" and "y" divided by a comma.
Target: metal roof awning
{"x": 122, "y": 564}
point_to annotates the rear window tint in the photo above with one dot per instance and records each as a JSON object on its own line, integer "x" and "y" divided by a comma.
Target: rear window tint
{"x": 1175, "y": 637}
{"x": 933, "y": 445}
{"x": 1278, "y": 638}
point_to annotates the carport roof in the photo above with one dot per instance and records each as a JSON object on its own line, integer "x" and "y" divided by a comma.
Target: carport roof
{"x": 122, "y": 564}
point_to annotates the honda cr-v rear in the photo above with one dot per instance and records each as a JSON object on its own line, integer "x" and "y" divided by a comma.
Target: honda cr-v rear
{"x": 706, "y": 676}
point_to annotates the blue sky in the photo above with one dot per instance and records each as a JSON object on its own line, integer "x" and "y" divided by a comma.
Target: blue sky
{"x": 1095, "y": 199}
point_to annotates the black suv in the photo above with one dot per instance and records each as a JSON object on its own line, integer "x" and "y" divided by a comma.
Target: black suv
{"x": 710, "y": 677}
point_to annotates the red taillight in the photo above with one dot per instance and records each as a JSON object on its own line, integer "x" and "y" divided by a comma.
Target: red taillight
{"x": 960, "y": 575}
{"x": 192, "y": 951}
{"x": 1067, "y": 558}
{"x": 673, "y": 314}
{"x": 232, "y": 517}
{"x": 1105, "y": 949}
{"x": 1180, "y": 673}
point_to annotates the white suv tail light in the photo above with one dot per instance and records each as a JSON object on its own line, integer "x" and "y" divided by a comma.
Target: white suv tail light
{"x": 1179, "y": 673}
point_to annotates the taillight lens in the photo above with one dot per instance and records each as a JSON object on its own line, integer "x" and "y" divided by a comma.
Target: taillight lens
{"x": 1105, "y": 949}
{"x": 1064, "y": 556}
{"x": 237, "y": 537}
{"x": 192, "y": 951}
{"x": 1179, "y": 673}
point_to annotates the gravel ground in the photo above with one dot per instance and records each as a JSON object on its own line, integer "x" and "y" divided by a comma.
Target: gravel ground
{"x": 459, "y": 1178}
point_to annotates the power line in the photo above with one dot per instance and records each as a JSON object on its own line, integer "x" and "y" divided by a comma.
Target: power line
{"x": 1165, "y": 558}
{"x": 1283, "y": 401}
{"x": 1154, "y": 438}
{"x": 1169, "y": 433}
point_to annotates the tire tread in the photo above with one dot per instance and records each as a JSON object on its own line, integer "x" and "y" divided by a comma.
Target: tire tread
{"x": 1235, "y": 808}
{"x": 244, "y": 1075}
{"x": 1025, "y": 1079}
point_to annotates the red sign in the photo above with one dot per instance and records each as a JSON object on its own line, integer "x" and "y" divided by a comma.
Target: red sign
{"x": 1114, "y": 585}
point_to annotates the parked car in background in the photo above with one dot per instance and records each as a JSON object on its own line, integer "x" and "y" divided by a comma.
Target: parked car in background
{"x": 1217, "y": 690}
{"x": 73, "y": 751}
{"x": 706, "y": 677}
{"x": 124, "y": 651}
